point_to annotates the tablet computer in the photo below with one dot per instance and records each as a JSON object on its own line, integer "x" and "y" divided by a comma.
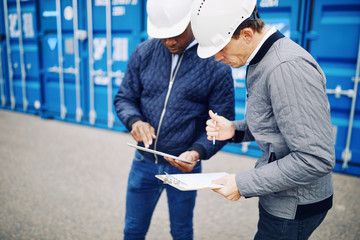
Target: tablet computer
{"x": 158, "y": 153}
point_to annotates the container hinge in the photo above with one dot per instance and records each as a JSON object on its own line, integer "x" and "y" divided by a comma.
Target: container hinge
{"x": 346, "y": 157}
{"x": 245, "y": 147}
{"x": 111, "y": 120}
{"x": 25, "y": 104}
{"x": 13, "y": 102}
{"x": 79, "y": 114}
{"x": 92, "y": 117}
{"x": 3, "y": 100}
{"x": 63, "y": 111}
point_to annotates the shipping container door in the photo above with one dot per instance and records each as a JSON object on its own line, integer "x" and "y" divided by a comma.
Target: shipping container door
{"x": 114, "y": 30}
{"x": 22, "y": 55}
{"x": 63, "y": 54}
{"x": 286, "y": 15}
{"x": 332, "y": 37}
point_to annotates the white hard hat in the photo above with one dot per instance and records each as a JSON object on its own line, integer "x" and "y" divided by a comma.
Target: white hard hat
{"x": 214, "y": 22}
{"x": 168, "y": 18}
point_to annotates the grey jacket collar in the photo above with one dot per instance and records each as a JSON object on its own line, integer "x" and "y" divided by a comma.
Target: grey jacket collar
{"x": 266, "y": 46}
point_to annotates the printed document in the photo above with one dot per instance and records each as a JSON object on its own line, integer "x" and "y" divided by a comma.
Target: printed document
{"x": 192, "y": 181}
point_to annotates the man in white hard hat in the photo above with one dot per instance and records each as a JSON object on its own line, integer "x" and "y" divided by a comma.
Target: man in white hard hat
{"x": 287, "y": 114}
{"x": 164, "y": 101}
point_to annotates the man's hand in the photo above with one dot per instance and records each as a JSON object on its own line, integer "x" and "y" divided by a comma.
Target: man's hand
{"x": 183, "y": 166}
{"x": 222, "y": 130}
{"x": 143, "y": 132}
{"x": 230, "y": 189}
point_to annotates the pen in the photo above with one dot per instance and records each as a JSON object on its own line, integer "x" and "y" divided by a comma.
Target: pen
{"x": 214, "y": 136}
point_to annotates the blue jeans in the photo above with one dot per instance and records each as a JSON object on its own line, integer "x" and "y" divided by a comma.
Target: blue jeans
{"x": 143, "y": 193}
{"x": 275, "y": 228}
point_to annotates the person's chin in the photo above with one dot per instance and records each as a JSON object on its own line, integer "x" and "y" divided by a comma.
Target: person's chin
{"x": 228, "y": 63}
{"x": 234, "y": 65}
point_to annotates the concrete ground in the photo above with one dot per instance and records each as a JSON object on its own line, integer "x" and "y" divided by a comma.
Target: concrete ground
{"x": 61, "y": 181}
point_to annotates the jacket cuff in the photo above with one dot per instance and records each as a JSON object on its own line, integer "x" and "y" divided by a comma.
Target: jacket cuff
{"x": 238, "y": 137}
{"x": 242, "y": 182}
{"x": 131, "y": 121}
{"x": 200, "y": 149}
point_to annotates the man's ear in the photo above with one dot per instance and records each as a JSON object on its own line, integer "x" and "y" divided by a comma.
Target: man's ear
{"x": 247, "y": 34}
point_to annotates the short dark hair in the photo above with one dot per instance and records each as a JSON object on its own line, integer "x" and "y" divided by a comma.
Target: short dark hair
{"x": 256, "y": 25}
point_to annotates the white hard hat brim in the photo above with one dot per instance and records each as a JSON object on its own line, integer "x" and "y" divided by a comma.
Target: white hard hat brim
{"x": 168, "y": 32}
{"x": 206, "y": 52}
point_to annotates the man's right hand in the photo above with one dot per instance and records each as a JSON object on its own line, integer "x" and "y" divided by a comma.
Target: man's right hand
{"x": 143, "y": 132}
{"x": 219, "y": 127}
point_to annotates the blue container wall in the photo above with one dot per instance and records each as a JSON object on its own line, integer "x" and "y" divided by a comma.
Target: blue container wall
{"x": 330, "y": 31}
{"x": 82, "y": 89}
{"x": 63, "y": 80}
{"x": 126, "y": 29}
{"x": 24, "y": 84}
{"x": 100, "y": 71}
{"x": 332, "y": 37}
{"x": 286, "y": 15}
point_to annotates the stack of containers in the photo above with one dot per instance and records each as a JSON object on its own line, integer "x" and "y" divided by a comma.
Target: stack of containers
{"x": 81, "y": 74}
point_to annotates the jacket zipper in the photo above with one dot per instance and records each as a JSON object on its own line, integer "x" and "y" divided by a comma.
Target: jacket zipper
{"x": 172, "y": 79}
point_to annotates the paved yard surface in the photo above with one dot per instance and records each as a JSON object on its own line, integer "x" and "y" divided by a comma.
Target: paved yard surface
{"x": 62, "y": 181}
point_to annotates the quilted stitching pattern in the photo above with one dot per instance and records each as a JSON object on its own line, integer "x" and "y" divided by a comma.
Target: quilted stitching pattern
{"x": 200, "y": 85}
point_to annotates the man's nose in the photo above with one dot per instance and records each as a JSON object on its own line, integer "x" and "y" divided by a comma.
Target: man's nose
{"x": 170, "y": 41}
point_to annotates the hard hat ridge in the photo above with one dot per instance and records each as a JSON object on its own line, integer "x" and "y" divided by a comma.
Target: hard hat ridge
{"x": 168, "y": 18}
{"x": 214, "y": 22}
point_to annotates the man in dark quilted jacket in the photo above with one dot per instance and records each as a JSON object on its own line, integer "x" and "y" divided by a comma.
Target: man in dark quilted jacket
{"x": 164, "y": 101}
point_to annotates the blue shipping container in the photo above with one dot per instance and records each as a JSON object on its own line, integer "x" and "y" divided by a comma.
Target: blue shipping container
{"x": 332, "y": 37}
{"x": 120, "y": 26}
{"x": 85, "y": 46}
{"x": 64, "y": 60}
{"x": 22, "y": 58}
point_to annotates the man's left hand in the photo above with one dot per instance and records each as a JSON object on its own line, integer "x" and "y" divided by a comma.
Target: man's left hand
{"x": 230, "y": 190}
{"x": 183, "y": 166}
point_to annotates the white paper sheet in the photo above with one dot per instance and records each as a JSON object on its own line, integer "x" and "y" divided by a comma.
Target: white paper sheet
{"x": 194, "y": 181}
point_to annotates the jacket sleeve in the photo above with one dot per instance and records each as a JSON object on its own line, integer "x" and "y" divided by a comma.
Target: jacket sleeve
{"x": 127, "y": 99}
{"x": 302, "y": 113}
{"x": 221, "y": 101}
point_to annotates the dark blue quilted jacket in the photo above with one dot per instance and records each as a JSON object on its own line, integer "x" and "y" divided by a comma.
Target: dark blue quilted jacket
{"x": 200, "y": 85}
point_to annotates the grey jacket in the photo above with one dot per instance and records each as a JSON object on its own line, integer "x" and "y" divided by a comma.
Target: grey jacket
{"x": 288, "y": 115}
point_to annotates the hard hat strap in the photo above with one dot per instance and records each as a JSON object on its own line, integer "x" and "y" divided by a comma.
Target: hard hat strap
{"x": 253, "y": 17}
